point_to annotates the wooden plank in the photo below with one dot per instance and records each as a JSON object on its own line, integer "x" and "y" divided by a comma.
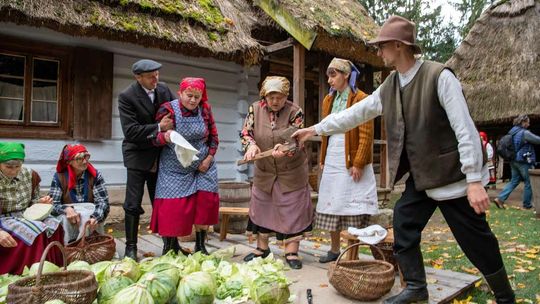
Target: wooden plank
{"x": 287, "y": 21}
{"x": 279, "y": 46}
{"x": 299, "y": 59}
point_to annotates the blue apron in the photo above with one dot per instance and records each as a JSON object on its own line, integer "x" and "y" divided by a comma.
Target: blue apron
{"x": 175, "y": 181}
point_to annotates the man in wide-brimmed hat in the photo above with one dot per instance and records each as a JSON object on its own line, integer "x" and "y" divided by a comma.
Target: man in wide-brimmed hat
{"x": 432, "y": 137}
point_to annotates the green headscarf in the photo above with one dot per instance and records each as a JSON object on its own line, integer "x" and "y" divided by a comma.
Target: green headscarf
{"x": 10, "y": 151}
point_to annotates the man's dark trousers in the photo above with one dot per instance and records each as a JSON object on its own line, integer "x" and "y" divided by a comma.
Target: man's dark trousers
{"x": 472, "y": 232}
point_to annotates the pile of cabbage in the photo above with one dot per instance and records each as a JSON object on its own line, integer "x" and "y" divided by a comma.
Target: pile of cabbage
{"x": 179, "y": 279}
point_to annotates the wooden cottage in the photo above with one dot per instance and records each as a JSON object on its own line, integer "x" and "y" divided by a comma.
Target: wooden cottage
{"x": 63, "y": 63}
{"x": 498, "y": 64}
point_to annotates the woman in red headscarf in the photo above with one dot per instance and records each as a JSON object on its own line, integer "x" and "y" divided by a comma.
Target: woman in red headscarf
{"x": 187, "y": 195}
{"x": 490, "y": 158}
{"x": 78, "y": 192}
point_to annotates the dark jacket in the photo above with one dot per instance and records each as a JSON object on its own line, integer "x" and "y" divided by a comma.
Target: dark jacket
{"x": 137, "y": 116}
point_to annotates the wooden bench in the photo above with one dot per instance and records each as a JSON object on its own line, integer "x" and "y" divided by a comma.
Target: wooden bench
{"x": 225, "y": 212}
{"x": 353, "y": 239}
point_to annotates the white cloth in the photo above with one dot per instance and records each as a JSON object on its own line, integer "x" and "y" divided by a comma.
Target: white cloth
{"x": 452, "y": 100}
{"x": 185, "y": 152}
{"x": 73, "y": 232}
{"x": 370, "y": 235}
{"x": 339, "y": 194}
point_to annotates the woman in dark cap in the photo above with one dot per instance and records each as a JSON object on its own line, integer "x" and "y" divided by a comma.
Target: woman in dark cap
{"x": 23, "y": 241}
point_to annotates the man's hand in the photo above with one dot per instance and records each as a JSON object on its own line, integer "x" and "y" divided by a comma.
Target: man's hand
{"x": 166, "y": 123}
{"x": 321, "y": 166}
{"x": 477, "y": 196}
{"x": 6, "y": 240}
{"x": 72, "y": 216}
{"x": 93, "y": 224}
{"x": 304, "y": 134}
{"x": 205, "y": 164}
{"x": 277, "y": 153}
{"x": 356, "y": 174}
{"x": 251, "y": 152}
{"x": 45, "y": 200}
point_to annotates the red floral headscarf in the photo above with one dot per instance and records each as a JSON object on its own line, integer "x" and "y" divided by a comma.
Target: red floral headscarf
{"x": 68, "y": 154}
{"x": 194, "y": 83}
{"x": 484, "y": 136}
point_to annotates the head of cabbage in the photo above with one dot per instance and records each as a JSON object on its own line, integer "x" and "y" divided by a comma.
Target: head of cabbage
{"x": 270, "y": 290}
{"x": 134, "y": 294}
{"x": 79, "y": 265}
{"x": 111, "y": 287}
{"x": 160, "y": 286}
{"x": 47, "y": 267}
{"x": 196, "y": 288}
{"x": 126, "y": 267}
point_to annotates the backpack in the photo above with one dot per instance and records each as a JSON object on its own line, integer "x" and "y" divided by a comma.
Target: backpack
{"x": 505, "y": 148}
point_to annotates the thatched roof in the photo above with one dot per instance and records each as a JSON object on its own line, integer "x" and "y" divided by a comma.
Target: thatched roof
{"x": 211, "y": 28}
{"x": 498, "y": 63}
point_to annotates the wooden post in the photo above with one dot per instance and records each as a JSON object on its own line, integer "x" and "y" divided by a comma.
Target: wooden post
{"x": 323, "y": 84}
{"x": 299, "y": 61}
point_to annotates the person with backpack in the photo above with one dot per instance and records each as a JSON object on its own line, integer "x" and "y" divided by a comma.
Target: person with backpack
{"x": 523, "y": 159}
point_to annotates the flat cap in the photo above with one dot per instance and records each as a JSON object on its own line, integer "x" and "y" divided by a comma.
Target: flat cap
{"x": 145, "y": 65}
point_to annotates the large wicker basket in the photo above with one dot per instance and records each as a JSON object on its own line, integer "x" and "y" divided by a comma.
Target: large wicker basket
{"x": 70, "y": 286}
{"x": 385, "y": 253}
{"x": 92, "y": 249}
{"x": 364, "y": 280}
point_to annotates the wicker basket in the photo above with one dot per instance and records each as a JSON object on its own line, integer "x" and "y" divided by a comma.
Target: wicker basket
{"x": 385, "y": 253}
{"x": 70, "y": 286}
{"x": 364, "y": 280}
{"x": 92, "y": 249}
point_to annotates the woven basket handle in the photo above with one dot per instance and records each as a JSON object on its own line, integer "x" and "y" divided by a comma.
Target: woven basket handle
{"x": 83, "y": 240}
{"x": 358, "y": 245}
{"x": 44, "y": 256}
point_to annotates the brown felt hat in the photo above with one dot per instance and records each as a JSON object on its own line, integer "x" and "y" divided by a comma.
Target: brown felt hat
{"x": 397, "y": 28}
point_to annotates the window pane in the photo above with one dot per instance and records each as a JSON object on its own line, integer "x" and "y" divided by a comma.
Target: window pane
{"x": 11, "y": 65}
{"x": 11, "y": 109}
{"x": 44, "y": 111}
{"x": 11, "y": 87}
{"x": 45, "y": 69}
{"x": 44, "y": 91}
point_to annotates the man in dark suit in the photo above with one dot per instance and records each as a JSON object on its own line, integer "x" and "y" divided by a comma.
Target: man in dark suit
{"x": 137, "y": 106}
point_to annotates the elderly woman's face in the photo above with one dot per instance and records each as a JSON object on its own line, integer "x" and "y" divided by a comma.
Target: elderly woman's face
{"x": 276, "y": 100}
{"x": 11, "y": 168}
{"x": 80, "y": 162}
{"x": 191, "y": 98}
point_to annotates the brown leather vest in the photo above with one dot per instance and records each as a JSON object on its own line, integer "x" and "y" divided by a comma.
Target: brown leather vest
{"x": 290, "y": 172}
{"x": 66, "y": 198}
{"x": 417, "y": 124}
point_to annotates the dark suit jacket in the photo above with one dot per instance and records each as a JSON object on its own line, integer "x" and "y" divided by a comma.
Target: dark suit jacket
{"x": 137, "y": 116}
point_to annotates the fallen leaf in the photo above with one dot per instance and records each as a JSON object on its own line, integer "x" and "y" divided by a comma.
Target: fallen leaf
{"x": 471, "y": 270}
{"x": 477, "y": 284}
{"x": 431, "y": 281}
{"x": 149, "y": 254}
{"x": 520, "y": 285}
{"x": 323, "y": 285}
{"x": 110, "y": 230}
{"x": 521, "y": 270}
{"x": 531, "y": 256}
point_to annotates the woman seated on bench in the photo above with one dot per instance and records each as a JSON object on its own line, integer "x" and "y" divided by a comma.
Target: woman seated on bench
{"x": 22, "y": 242}
{"x": 78, "y": 192}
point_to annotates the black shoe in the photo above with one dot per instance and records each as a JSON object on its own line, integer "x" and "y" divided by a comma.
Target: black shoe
{"x": 169, "y": 244}
{"x": 330, "y": 257}
{"x": 132, "y": 230}
{"x": 251, "y": 256}
{"x": 177, "y": 248}
{"x": 499, "y": 284}
{"x": 499, "y": 203}
{"x": 411, "y": 265}
{"x": 200, "y": 237}
{"x": 293, "y": 263}
{"x": 527, "y": 207}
